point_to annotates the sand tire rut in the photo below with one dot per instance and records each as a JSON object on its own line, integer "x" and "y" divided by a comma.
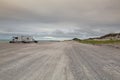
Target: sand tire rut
{"x": 59, "y": 61}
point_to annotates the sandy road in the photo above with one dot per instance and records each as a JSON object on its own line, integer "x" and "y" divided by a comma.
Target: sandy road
{"x": 58, "y": 61}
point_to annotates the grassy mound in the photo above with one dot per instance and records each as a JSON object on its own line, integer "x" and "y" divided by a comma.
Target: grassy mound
{"x": 99, "y": 41}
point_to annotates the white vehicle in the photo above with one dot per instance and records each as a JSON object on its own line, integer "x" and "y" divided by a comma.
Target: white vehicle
{"x": 23, "y": 39}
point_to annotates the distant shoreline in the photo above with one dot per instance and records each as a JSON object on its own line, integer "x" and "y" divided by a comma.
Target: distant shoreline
{"x": 7, "y": 41}
{"x": 3, "y": 41}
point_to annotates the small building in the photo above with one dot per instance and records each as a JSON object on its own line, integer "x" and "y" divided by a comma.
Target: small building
{"x": 23, "y": 39}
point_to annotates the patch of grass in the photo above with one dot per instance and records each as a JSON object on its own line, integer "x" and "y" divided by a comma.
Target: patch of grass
{"x": 99, "y": 41}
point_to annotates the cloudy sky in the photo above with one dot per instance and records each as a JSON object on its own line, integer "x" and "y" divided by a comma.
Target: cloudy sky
{"x": 59, "y": 19}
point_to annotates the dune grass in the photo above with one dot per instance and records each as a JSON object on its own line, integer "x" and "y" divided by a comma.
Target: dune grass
{"x": 99, "y": 41}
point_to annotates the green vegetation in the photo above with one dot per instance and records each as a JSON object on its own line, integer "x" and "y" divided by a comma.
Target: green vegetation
{"x": 76, "y": 39}
{"x": 98, "y": 41}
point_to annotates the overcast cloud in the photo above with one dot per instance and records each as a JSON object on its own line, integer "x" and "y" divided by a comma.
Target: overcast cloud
{"x": 59, "y": 19}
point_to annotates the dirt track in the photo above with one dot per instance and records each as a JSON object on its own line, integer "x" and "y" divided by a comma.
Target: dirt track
{"x": 58, "y": 61}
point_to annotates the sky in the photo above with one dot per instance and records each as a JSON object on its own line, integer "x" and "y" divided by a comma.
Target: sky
{"x": 59, "y": 19}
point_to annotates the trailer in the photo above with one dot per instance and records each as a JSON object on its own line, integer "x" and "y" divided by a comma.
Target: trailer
{"x": 23, "y": 39}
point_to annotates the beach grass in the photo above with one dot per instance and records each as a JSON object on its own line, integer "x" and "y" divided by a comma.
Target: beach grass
{"x": 99, "y": 41}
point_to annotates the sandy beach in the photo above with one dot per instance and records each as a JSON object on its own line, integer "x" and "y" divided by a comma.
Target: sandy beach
{"x": 58, "y": 61}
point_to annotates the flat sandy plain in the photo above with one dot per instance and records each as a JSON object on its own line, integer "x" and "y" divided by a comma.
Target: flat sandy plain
{"x": 59, "y": 61}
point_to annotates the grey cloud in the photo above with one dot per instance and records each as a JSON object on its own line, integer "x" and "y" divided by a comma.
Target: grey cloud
{"x": 61, "y": 18}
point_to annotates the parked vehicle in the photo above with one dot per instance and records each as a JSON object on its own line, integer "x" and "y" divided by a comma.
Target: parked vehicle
{"x": 23, "y": 39}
